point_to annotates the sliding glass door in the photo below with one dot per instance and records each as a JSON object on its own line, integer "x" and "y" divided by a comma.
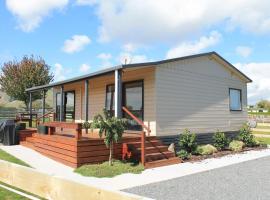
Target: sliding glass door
{"x": 133, "y": 100}
{"x": 69, "y": 106}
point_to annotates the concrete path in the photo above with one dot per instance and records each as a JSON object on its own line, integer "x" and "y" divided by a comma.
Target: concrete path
{"x": 244, "y": 181}
{"x": 124, "y": 181}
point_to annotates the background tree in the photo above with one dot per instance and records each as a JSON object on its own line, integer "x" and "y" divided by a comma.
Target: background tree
{"x": 16, "y": 76}
{"x": 263, "y": 104}
{"x": 111, "y": 127}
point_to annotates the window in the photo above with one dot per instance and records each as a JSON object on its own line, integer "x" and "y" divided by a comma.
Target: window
{"x": 109, "y": 104}
{"x": 235, "y": 99}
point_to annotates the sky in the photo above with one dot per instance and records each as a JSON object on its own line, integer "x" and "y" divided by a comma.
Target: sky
{"x": 76, "y": 37}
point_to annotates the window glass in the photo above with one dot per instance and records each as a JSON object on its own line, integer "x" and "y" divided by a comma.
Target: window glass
{"x": 110, "y": 98}
{"x": 235, "y": 99}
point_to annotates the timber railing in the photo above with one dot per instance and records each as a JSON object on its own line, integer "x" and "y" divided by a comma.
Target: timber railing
{"x": 143, "y": 137}
{"x": 46, "y": 115}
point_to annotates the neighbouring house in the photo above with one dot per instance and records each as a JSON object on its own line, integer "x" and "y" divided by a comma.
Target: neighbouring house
{"x": 203, "y": 93}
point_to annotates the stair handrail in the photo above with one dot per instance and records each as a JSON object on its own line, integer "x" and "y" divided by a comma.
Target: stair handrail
{"x": 140, "y": 122}
{"x": 45, "y": 115}
{"x": 143, "y": 137}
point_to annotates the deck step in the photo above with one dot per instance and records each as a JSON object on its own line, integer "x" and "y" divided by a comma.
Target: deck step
{"x": 154, "y": 149}
{"x": 158, "y": 156}
{"x": 163, "y": 162}
{"x": 27, "y": 144}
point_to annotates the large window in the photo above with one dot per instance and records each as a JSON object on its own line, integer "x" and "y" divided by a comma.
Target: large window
{"x": 109, "y": 104}
{"x": 235, "y": 99}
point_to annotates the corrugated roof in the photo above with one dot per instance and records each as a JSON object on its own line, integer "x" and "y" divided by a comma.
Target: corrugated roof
{"x": 110, "y": 70}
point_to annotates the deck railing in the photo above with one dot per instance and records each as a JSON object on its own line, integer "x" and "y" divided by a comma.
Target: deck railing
{"x": 46, "y": 115}
{"x": 143, "y": 137}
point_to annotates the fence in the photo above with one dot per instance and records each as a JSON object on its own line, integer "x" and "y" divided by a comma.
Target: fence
{"x": 52, "y": 187}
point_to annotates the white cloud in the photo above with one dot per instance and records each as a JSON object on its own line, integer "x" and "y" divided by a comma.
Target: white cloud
{"x": 260, "y": 74}
{"x": 188, "y": 48}
{"x": 149, "y": 21}
{"x": 76, "y": 43}
{"x": 30, "y": 13}
{"x": 129, "y": 47}
{"x": 84, "y": 68}
{"x": 86, "y": 2}
{"x": 243, "y": 51}
{"x": 104, "y": 56}
{"x": 59, "y": 72}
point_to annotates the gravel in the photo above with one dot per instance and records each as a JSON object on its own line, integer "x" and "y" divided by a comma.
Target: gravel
{"x": 248, "y": 180}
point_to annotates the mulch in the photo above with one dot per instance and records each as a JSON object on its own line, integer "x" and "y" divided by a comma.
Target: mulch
{"x": 195, "y": 158}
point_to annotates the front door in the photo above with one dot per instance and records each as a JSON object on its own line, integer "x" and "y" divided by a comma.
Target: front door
{"x": 69, "y": 106}
{"x": 133, "y": 95}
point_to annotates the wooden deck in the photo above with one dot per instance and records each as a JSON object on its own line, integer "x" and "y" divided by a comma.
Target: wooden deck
{"x": 90, "y": 148}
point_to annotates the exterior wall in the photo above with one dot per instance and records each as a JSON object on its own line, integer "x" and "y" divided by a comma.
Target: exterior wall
{"x": 97, "y": 94}
{"x": 194, "y": 94}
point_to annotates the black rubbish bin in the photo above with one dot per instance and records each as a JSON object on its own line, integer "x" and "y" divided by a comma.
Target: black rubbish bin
{"x": 8, "y": 135}
{"x": 42, "y": 129}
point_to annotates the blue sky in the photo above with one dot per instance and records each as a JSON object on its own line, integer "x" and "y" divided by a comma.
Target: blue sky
{"x": 81, "y": 36}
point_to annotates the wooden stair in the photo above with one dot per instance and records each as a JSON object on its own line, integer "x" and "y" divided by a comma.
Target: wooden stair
{"x": 156, "y": 153}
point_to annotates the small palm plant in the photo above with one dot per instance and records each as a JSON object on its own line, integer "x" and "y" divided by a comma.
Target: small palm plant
{"x": 111, "y": 127}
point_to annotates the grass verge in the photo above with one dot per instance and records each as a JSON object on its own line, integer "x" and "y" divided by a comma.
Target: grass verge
{"x": 104, "y": 170}
{"x": 8, "y": 195}
{"x": 7, "y": 157}
{"x": 261, "y": 132}
{"x": 263, "y": 140}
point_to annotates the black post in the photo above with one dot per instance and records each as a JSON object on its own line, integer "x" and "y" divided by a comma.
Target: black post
{"x": 30, "y": 109}
{"x": 62, "y": 104}
{"x": 86, "y": 88}
{"x": 43, "y": 105}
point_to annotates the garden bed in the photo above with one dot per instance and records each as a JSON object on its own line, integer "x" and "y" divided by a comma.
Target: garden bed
{"x": 195, "y": 158}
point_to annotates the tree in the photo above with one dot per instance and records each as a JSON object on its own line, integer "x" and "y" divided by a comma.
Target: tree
{"x": 16, "y": 76}
{"x": 264, "y": 104}
{"x": 111, "y": 127}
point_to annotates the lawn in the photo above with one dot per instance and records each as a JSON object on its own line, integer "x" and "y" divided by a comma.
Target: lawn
{"x": 8, "y": 195}
{"x": 263, "y": 140}
{"x": 259, "y": 113}
{"x": 104, "y": 170}
{"x": 261, "y": 132}
{"x": 7, "y": 157}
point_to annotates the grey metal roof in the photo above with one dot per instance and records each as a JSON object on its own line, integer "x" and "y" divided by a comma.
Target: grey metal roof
{"x": 110, "y": 70}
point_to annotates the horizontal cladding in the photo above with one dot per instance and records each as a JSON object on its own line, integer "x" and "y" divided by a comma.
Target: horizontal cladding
{"x": 194, "y": 94}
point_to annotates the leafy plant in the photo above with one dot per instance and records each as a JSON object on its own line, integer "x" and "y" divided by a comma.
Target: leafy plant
{"x": 236, "y": 145}
{"x": 183, "y": 154}
{"x": 220, "y": 140}
{"x": 86, "y": 125}
{"x": 246, "y": 136}
{"x": 111, "y": 127}
{"x": 206, "y": 149}
{"x": 16, "y": 76}
{"x": 187, "y": 141}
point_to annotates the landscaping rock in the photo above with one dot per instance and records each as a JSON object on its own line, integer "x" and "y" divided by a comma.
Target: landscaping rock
{"x": 171, "y": 148}
{"x": 236, "y": 145}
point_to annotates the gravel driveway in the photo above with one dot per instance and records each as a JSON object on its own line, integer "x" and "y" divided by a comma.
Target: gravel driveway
{"x": 245, "y": 181}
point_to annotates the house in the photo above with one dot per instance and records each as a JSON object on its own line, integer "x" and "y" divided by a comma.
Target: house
{"x": 203, "y": 93}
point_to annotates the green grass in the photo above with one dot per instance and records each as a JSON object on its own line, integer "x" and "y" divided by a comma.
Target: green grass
{"x": 8, "y": 195}
{"x": 261, "y": 132}
{"x": 7, "y": 157}
{"x": 260, "y": 113}
{"x": 104, "y": 170}
{"x": 263, "y": 140}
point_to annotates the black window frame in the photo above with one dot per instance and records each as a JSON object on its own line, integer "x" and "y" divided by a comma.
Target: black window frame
{"x": 123, "y": 98}
{"x": 240, "y": 91}
{"x": 64, "y": 104}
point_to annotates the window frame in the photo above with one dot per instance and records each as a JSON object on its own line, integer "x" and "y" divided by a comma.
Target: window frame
{"x": 241, "y": 106}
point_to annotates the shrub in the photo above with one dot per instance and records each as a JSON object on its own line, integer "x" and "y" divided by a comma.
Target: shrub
{"x": 220, "y": 140}
{"x": 246, "y": 136}
{"x": 187, "y": 141}
{"x": 206, "y": 149}
{"x": 183, "y": 154}
{"x": 236, "y": 145}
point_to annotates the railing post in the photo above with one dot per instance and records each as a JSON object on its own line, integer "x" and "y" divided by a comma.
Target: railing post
{"x": 143, "y": 148}
{"x": 30, "y": 109}
{"x": 43, "y": 106}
